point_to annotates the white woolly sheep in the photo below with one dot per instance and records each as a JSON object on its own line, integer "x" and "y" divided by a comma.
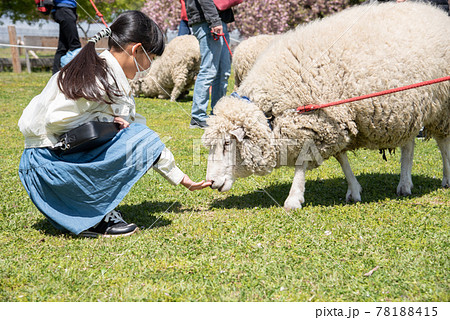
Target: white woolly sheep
{"x": 360, "y": 50}
{"x": 245, "y": 55}
{"x": 172, "y": 74}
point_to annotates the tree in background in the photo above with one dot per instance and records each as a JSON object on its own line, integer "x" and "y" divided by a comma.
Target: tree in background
{"x": 166, "y": 13}
{"x": 252, "y": 16}
{"x": 25, "y": 10}
{"x": 272, "y": 16}
{"x": 255, "y": 16}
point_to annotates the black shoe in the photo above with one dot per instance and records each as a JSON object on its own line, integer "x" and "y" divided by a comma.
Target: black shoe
{"x": 197, "y": 124}
{"x": 111, "y": 226}
{"x": 421, "y": 133}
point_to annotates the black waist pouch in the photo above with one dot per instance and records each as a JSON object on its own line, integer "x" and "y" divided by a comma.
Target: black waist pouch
{"x": 87, "y": 136}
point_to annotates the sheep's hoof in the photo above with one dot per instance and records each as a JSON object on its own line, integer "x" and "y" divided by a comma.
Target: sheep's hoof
{"x": 292, "y": 204}
{"x": 351, "y": 198}
{"x": 445, "y": 182}
{"x": 404, "y": 190}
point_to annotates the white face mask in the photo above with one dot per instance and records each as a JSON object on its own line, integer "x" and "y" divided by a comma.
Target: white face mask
{"x": 140, "y": 74}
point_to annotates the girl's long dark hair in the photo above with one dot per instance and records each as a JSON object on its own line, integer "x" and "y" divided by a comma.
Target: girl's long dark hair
{"x": 86, "y": 76}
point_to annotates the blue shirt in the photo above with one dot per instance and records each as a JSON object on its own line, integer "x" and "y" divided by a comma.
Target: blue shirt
{"x": 65, "y": 3}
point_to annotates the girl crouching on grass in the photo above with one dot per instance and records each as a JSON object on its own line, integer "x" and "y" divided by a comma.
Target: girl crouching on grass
{"x": 79, "y": 191}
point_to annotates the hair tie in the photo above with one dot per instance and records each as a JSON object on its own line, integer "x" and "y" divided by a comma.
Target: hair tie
{"x": 103, "y": 33}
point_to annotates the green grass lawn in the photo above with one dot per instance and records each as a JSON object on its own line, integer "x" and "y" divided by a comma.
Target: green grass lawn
{"x": 235, "y": 246}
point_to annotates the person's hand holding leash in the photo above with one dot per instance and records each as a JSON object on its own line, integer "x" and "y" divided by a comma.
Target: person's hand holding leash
{"x": 216, "y": 31}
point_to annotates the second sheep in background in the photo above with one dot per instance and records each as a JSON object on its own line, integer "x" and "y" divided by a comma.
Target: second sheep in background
{"x": 246, "y": 54}
{"x": 173, "y": 73}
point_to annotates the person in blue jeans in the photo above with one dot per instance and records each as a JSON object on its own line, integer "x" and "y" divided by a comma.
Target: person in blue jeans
{"x": 65, "y": 14}
{"x": 215, "y": 68}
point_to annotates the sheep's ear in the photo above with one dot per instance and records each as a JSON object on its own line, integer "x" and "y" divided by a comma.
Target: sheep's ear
{"x": 239, "y": 133}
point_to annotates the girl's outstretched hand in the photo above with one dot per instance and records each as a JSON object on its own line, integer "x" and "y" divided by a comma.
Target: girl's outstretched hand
{"x": 191, "y": 185}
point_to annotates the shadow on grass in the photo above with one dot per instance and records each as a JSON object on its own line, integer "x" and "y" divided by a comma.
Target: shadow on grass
{"x": 145, "y": 215}
{"x": 186, "y": 98}
{"x": 330, "y": 192}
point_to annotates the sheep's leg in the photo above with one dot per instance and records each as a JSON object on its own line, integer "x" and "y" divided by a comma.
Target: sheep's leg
{"x": 354, "y": 188}
{"x": 176, "y": 92}
{"x": 444, "y": 146}
{"x": 405, "y": 185}
{"x": 178, "y": 85}
{"x": 296, "y": 194}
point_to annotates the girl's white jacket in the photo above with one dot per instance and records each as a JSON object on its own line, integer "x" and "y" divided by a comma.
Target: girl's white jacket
{"x": 51, "y": 114}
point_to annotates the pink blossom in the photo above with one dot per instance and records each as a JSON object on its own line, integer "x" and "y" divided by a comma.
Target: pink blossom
{"x": 254, "y": 16}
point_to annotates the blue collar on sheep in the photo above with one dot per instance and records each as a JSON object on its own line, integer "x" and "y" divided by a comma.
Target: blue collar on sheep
{"x": 236, "y": 95}
{"x": 269, "y": 119}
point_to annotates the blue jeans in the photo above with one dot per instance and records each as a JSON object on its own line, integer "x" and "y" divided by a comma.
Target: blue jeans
{"x": 215, "y": 69}
{"x": 183, "y": 28}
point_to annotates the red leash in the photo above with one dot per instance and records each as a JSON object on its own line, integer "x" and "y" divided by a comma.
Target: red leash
{"x": 312, "y": 107}
{"x": 98, "y": 13}
{"x": 216, "y": 36}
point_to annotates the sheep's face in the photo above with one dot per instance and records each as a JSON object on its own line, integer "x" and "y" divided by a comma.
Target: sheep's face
{"x": 239, "y": 140}
{"x": 223, "y": 162}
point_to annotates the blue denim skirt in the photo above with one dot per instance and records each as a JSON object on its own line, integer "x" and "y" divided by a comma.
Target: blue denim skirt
{"x": 75, "y": 191}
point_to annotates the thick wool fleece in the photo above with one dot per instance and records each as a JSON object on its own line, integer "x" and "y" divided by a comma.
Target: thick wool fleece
{"x": 360, "y": 50}
{"x": 173, "y": 73}
{"x": 246, "y": 53}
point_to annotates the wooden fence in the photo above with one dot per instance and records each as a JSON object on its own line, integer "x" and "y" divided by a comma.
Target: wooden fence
{"x": 34, "y": 45}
